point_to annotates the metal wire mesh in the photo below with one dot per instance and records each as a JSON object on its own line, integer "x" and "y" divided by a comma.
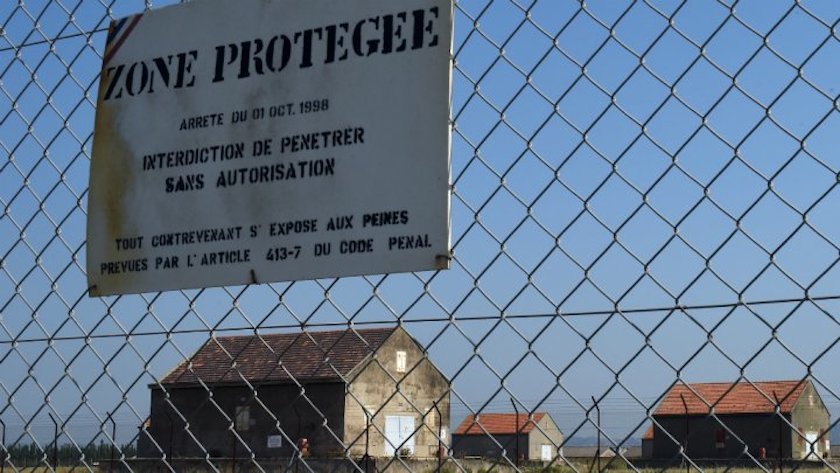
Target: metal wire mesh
{"x": 644, "y": 194}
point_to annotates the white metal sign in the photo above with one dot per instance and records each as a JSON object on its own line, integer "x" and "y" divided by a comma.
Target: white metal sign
{"x": 270, "y": 140}
{"x": 274, "y": 441}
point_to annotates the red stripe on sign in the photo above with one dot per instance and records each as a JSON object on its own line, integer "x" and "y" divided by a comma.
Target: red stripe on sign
{"x": 110, "y": 54}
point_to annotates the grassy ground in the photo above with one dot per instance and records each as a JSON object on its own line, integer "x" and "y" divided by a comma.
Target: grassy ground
{"x": 42, "y": 469}
{"x": 616, "y": 468}
{"x": 712, "y": 469}
{"x": 580, "y": 467}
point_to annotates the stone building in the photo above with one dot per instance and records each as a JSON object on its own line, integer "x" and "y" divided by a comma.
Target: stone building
{"x": 346, "y": 392}
{"x": 492, "y": 435}
{"x": 747, "y": 417}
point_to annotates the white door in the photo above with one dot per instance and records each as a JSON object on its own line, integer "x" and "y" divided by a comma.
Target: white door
{"x": 399, "y": 434}
{"x": 407, "y": 433}
{"x": 812, "y": 447}
{"x": 545, "y": 453}
{"x": 392, "y": 434}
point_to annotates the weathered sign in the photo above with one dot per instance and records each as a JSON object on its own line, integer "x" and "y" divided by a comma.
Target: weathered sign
{"x": 274, "y": 441}
{"x": 270, "y": 140}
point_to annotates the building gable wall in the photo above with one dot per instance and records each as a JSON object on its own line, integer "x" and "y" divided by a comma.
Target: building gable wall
{"x": 810, "y": 416}
{"x": 547, "y": 433}
{"x": 378, "y": 387}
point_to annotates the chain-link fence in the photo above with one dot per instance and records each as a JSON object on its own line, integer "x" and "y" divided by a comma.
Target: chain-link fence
{"x": 644, "y": 202}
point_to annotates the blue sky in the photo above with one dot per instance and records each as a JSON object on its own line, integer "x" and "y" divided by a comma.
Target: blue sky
{"x": 609, "y": 163}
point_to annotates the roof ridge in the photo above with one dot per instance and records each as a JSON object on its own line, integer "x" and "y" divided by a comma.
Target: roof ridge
{"x": 500, "y": 423}
{"x": 336, "y": 331}
{"x": 750, "y": 382}
{"x": 279, "y": 356}
{"x": 743, "y": 397}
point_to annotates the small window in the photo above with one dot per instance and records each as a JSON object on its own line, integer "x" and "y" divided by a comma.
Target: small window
{"x": 243, "y": 418}
{"x": 401, "y": 361}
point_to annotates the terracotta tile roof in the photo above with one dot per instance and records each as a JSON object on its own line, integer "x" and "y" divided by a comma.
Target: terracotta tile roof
{"x": 497, "y": 424}
{"x": 729, "y": 398}
{"x": 648, "y": 433}
{"x": 306, "y": 356}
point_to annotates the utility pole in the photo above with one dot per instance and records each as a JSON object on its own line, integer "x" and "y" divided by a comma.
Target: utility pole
{"x": 687, "y": 432}
{"x": 598, "y": 427}
{"x": 516, "y": 438}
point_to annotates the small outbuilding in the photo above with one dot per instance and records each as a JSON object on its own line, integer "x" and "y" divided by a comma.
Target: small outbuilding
{"x": 500, "y": 435}
{"x": 647, "y": 443}
{"x": 718, "y": 420}
{"x": 326, "y": 394}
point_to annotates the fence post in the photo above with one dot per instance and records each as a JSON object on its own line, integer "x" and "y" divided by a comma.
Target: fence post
{"x": 781, "y": 430}
{"x": 55, "y": 441}
{"x": 171, "y": 433}
{"x": 687, "y": 433}
{"x": 5, "y": 449}
{"x": 113, "y": 437}
{"x": 440, "y": 440}
{"x": 233, "y": 441}
{"x": 598, "y": 428}
{"x": 367, "y": 439}
{"x": 516, "y": 437}
{"x": 300, "y": 454}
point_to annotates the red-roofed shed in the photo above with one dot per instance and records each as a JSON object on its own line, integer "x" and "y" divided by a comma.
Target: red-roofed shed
{"x": 720, "y": 420}
{"x": 647, "y": 443}
{"x": 495, "y": 435}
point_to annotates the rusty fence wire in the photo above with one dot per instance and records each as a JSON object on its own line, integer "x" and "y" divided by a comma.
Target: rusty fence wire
{"x": 644, "y": 197}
